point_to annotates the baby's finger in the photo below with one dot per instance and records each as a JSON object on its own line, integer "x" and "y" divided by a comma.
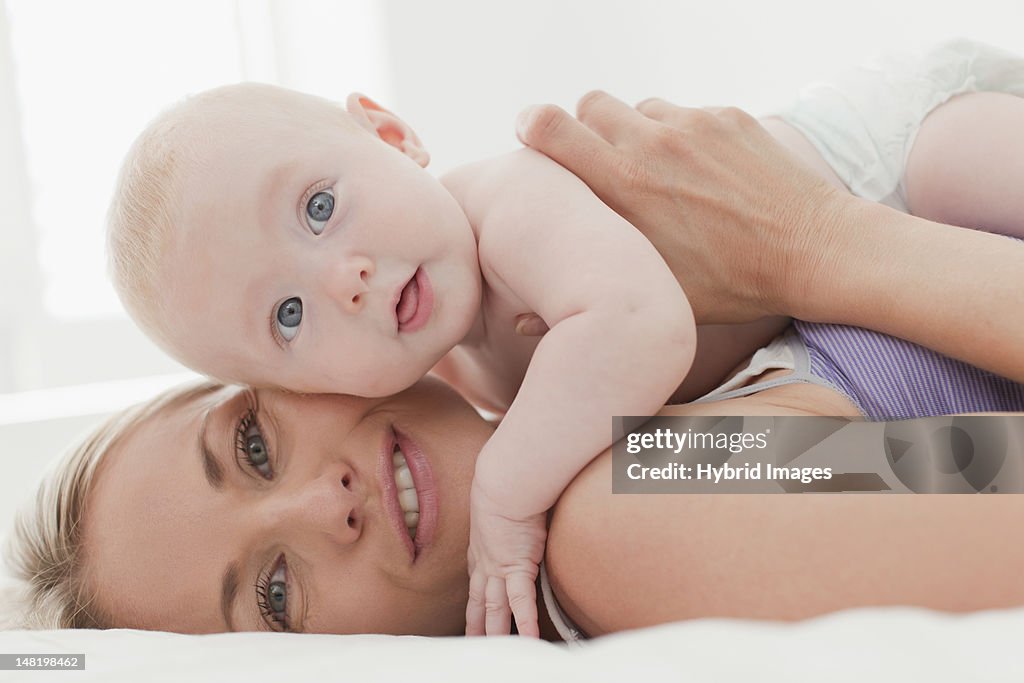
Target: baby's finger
{"x": 499, "y": 617}
{"x": 522, "y": 596}
{"x": 475, "y": 611}
{"x": 530, "y": 325}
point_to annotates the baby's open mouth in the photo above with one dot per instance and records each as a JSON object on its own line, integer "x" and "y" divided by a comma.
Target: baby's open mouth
{"x": 415, "y": 303}
{"x": 409, "y": 302}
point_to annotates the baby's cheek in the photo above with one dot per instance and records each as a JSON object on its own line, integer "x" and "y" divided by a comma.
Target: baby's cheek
{"x": 369, "y": 381}
{"x": 400, "y": 377}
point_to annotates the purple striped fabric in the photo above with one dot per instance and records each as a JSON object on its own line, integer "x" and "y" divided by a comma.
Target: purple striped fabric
{"x": 889, "y": 378}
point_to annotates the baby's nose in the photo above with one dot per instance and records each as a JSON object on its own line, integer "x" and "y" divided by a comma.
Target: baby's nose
{"x": 347, "y": 282}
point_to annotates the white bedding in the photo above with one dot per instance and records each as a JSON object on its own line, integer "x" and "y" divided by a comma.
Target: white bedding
{"x": 857, "y": 645}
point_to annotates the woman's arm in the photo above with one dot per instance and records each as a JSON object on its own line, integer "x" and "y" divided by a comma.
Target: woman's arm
{"x": 954, "y": 290}
{"x": 951, "y": 289}
{"x": 627, "y": 561}
{"x": 750, "y": 232}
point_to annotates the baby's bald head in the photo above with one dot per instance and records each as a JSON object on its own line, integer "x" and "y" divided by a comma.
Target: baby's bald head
{"x": 147, "y": 207}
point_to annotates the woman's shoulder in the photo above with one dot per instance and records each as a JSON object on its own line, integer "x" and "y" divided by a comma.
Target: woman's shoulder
{"x": 579, "y": 538}
{"x": 622, "y": 561}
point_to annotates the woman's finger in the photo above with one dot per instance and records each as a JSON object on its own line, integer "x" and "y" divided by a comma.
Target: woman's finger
{"x": 673, "y": 115}
{"x": 522, "y": 597}
{"x": 475, "y": 611}
{"x": 499, "y": 617}
{"x": 608, "y": 116}
{"x": 554, "y": 132}
{"x": 658, "y": 109}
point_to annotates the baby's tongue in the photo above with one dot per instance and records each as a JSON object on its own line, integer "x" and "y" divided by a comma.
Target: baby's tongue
{"x": 407, "y": 304}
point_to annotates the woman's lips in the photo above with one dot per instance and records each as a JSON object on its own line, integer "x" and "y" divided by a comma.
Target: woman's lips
{"x": 426, "y": 491}
{"x": 423, "y": 481}
{"x": 415, "y": 302}
{"x": 389, "y": 495}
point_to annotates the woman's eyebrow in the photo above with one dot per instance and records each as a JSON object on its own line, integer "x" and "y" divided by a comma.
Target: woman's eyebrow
{"x": 215, "y": 476}
{"x": 228, "y": 592}
{"x": 211, "y": 466}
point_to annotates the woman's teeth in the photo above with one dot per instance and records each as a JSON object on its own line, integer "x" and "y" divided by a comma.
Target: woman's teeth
{"x": 407, "y": 498}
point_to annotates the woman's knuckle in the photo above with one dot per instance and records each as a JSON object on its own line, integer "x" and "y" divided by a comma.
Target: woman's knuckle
{"x": 648, "y": 106}
{"x": 701, "y": 120}
{"x": 586, "y": 105}
{"x": 545, "y": 121}
{"x": 666, "y": 136}
{"x": 672, "y": 141}
{"x": 635, "y": 173}
{"x": 736, "y": 116}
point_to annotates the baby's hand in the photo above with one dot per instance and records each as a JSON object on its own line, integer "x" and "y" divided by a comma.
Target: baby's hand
{"x": 530, "y": 325}
{"x": 504, "y": 554}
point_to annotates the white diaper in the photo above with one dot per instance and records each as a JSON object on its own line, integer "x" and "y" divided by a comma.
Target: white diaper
{"x": 864, "y": 122}
{"x": 775, "y": 356}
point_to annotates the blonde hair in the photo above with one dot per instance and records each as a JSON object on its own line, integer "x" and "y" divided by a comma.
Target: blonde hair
{"x": 44, "y": 552}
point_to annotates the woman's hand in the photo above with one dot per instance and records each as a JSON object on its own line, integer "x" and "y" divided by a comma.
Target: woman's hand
{"x": 743, "y": 225}
{"x": 749, "y": 231}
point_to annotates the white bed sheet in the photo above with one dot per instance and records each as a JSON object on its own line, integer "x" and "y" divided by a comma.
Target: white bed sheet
{"x": 857, "y": 645}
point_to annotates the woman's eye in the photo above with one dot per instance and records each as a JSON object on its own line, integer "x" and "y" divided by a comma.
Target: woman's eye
{"x": 319, "y": 209}
{"x": 253, "y": 448}
{"x": 289, "y": 316}
{"x": 273, "y": 595}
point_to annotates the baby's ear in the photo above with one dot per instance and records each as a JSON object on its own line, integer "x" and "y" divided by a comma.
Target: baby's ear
{"x": 387, "y": 126}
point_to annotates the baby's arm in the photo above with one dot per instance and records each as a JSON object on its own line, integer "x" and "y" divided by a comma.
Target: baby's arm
{"x": 621, "y": 338}
{"x": 621, "y": 333}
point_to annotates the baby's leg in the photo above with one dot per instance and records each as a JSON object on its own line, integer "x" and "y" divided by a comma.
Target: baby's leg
{"x": 966, "y": 166}
{"x": 799, "y": 146}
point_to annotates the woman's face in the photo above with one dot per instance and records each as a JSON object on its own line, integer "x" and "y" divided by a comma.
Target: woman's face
{"x": 253, "y": 510}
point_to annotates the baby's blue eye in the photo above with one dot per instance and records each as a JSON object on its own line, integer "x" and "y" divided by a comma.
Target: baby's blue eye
{"x": 289, "y": 316}
{"x": 319, "y": 209}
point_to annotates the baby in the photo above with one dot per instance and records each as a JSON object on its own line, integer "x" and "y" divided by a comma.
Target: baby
{"x": 270, "y": 237}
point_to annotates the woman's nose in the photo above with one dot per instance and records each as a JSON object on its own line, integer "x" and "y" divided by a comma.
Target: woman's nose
{"x": 323, "y": 505}
{"x": 347, "y": 282}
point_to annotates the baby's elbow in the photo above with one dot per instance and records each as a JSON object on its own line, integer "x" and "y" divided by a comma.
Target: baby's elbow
{"x": 670, "y": 334}
{"x": 681, "y": 343}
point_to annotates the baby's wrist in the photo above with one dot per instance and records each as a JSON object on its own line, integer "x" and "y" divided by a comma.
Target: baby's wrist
{"x": 496, "y": 488}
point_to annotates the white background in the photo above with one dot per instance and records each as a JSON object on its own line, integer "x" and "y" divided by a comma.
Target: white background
{"x": 78, "y": 80}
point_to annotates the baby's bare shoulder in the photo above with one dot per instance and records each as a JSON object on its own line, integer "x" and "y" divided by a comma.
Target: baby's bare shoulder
{"x": 504, "y": 183}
